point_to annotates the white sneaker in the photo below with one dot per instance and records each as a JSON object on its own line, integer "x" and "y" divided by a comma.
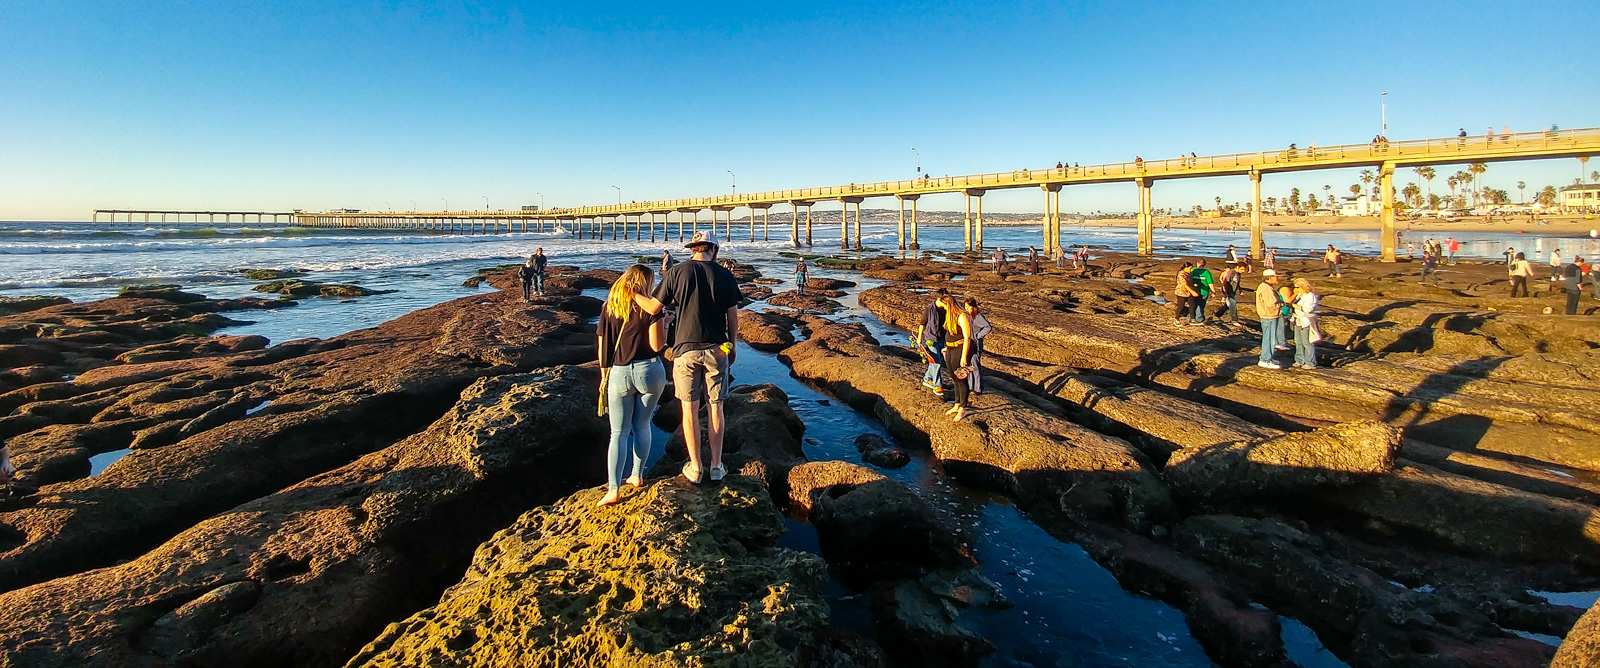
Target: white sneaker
{"x": 691, "y": 472}
{"x": 1269, "y": 365}
{"x": 718, "y": 473}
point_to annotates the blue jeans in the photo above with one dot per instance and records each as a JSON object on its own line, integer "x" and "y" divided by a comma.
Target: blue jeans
{"x": 931, "y": 376}
{"x": 1197, "y": 309}
{"x": 1230, "y": 307}
{"x": 632, "y": 392}
{"x": 1270, "y": 331}
{"x": 1305, "y": 352}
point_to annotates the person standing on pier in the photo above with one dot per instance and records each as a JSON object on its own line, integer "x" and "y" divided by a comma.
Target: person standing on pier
{"x": 1269, "y": 309}
{"x": 629, "y": 340}
{"x": 705, "y": 296}
{"x": 800, "y": 276}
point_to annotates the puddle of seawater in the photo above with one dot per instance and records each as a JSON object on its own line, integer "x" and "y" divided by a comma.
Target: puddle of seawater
{"x": 98, "y": 463}
{"x": 1304, "y": 648}
{"x": 258, "y": 407}
{"x": 1577, "y": 599}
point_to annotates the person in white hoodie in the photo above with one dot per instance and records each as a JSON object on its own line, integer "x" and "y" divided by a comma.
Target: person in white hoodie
{"x": 1305, "y": 325}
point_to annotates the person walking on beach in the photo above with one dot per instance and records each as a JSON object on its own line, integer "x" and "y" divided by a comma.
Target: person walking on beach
{"x": 801, "y": 272}
{"x": 540, "y": 262}
{"x": 1510, "y": 255}
{"x": 1230, "y": 293}
{"x": 705, "y": 297}
{"x": 999, "y": 261}
{"x": 666, "y": 262}
{"x": 1269, "y": 309}
{"x": 1454, "y": 247}
{"x": 1594, "y": 279}
{"x": 629, "y": 341}
{"x": 1183, "y": 292}
{"x": 1330, "y": 259}
{"x": 958, "y": 342}
{"x": 1519, "y": 272}
{"x": 980, "y": 331}
{"x": 1201, "y": 279}
{"x": 1306, "y": 333}
{"x": 1033, "y": 260}
{"x": 1430, "y": 265}
{"x": 1270, "y": 260}
{"x": 930, "y": 338}
{"x": 1232, "y": 255}
{"x": 1555, "y": 267}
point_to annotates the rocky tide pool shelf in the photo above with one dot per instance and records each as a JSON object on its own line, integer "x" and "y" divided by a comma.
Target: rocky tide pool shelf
{"x": 419, "y": 493}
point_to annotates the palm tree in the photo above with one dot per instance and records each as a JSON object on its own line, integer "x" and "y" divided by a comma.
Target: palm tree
{"x": 1477, "y": 169}
{"x": 1219, "y": 204}
{"x": 1427, "y": 175}
{"x": 1413, "y": 194}
{"x": 1366, "y": 176}
{"x": 1594, "y": 176}
{"x": 1313, "y": 204}
{"x": 1546, "y": 197}
{"x": 1294, "y": 199}
{"x": 1453, "y": 181}
{"x": 1355, "y": 189}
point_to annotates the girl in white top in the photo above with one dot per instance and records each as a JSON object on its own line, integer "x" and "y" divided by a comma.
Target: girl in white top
{"x": 1305, "y": 325}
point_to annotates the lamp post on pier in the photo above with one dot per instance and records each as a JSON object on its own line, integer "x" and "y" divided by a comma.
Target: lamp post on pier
{"x": 619, "y": 194}
{"x": 734, "y": 184}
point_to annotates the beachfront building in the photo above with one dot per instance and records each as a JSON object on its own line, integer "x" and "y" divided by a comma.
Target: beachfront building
{"x": 1581, "y": 198}
{"x": 1360, "y": 205}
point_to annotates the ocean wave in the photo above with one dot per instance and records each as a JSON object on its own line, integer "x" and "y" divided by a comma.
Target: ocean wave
{"x": 246, "y": 242}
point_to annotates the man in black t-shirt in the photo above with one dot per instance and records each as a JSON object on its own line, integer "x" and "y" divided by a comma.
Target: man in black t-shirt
{"x": 706, "y": 298}
{"x": 539, "y": 261}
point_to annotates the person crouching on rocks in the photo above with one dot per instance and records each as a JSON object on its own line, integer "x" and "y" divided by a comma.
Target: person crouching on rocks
{"x": 930, "y": 338}
{"x": 629, "y": 340}
{"x": 980, "y": 330}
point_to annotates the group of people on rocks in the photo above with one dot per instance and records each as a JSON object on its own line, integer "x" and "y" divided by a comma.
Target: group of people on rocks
{"x": 1567, "y": 277}
{"x": 1287, "y": 312}
{"x": 950, "y": 340}
{"x": 689, "y": 318}
{"x": 532, "y": 274}
{"x": 1196, "y": 283}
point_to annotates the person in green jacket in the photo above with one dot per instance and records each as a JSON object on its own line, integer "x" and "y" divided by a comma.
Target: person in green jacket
{"x": 1200, "y": 280}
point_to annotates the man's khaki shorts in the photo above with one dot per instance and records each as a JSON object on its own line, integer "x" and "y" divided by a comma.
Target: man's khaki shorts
{"x": 700, "y": 375}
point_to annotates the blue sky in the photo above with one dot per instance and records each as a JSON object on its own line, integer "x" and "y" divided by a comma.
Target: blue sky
{"x": 378, "y": 105}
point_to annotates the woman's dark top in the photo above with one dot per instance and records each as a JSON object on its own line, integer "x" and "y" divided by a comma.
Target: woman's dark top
{"x": 629, "y": 342}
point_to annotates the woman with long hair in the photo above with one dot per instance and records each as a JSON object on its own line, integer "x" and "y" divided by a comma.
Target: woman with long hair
{"x": 1305, "y": 325}
{"x": 958, "y": 354}
{"x": 629, "y": 340}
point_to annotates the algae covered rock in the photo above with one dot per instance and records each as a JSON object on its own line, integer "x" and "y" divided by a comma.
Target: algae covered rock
{"x": 1338, "y": 455}
{"x": 674, "y": 575}
{"x": 9, "y": 305}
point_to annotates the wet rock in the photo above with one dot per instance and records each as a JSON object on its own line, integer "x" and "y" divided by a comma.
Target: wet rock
{"x": 806, "y": 303}
{"x": 163, "y": 292}
{"x": 876, "y": 451}
{"x": 1475, "y": 516}
{"x": 1007, "y": 442}
{"x": 828, "y": 284}
{"x": 270, "y": 274}
{"x": 699, "y": 583}
{"x": 766, "y": 331}
{"x": 1581, "y": 649}
{"x": 23, "y": 304}
{"x": 189, "y": 347}
{"x": 303, "y": 288}
{"x": 743, "y": 273}
{"x": 1284, "y": 465}
{"x": 333, "y": 401}
{"x": 473, "y": 282}
{"x": 872, "y": 527}
{"x": 1360, "y": 615}
{"x": 761, "y": 438}
{"x": 920, "y": 628}
{"x": 766, "y": 281}
{"x": 307, "y": 574}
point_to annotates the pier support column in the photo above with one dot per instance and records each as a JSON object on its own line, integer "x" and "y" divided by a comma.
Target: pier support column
{"x": 844, "y": 224}
{"x": 858, "y": 224}
{"x": 914, "y": 244}
{"x": 1257, "y": 244}
{"x": 752, "y": 223}
{"x": 1386, "y": 238}
{"x": 794, "y": 225}
{"x": 1055, "y": 224}
{"x": 766, "y": 223}
{"x": 977, "y": 236}
{"x": 900, "y": 227}
{"x": 966, "y": 223}
{"x": 1146, "y": 223}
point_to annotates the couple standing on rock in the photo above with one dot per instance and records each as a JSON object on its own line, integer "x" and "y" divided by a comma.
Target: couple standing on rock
{"x": 954, "y": 329}
{"x": 690, "y": 320}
